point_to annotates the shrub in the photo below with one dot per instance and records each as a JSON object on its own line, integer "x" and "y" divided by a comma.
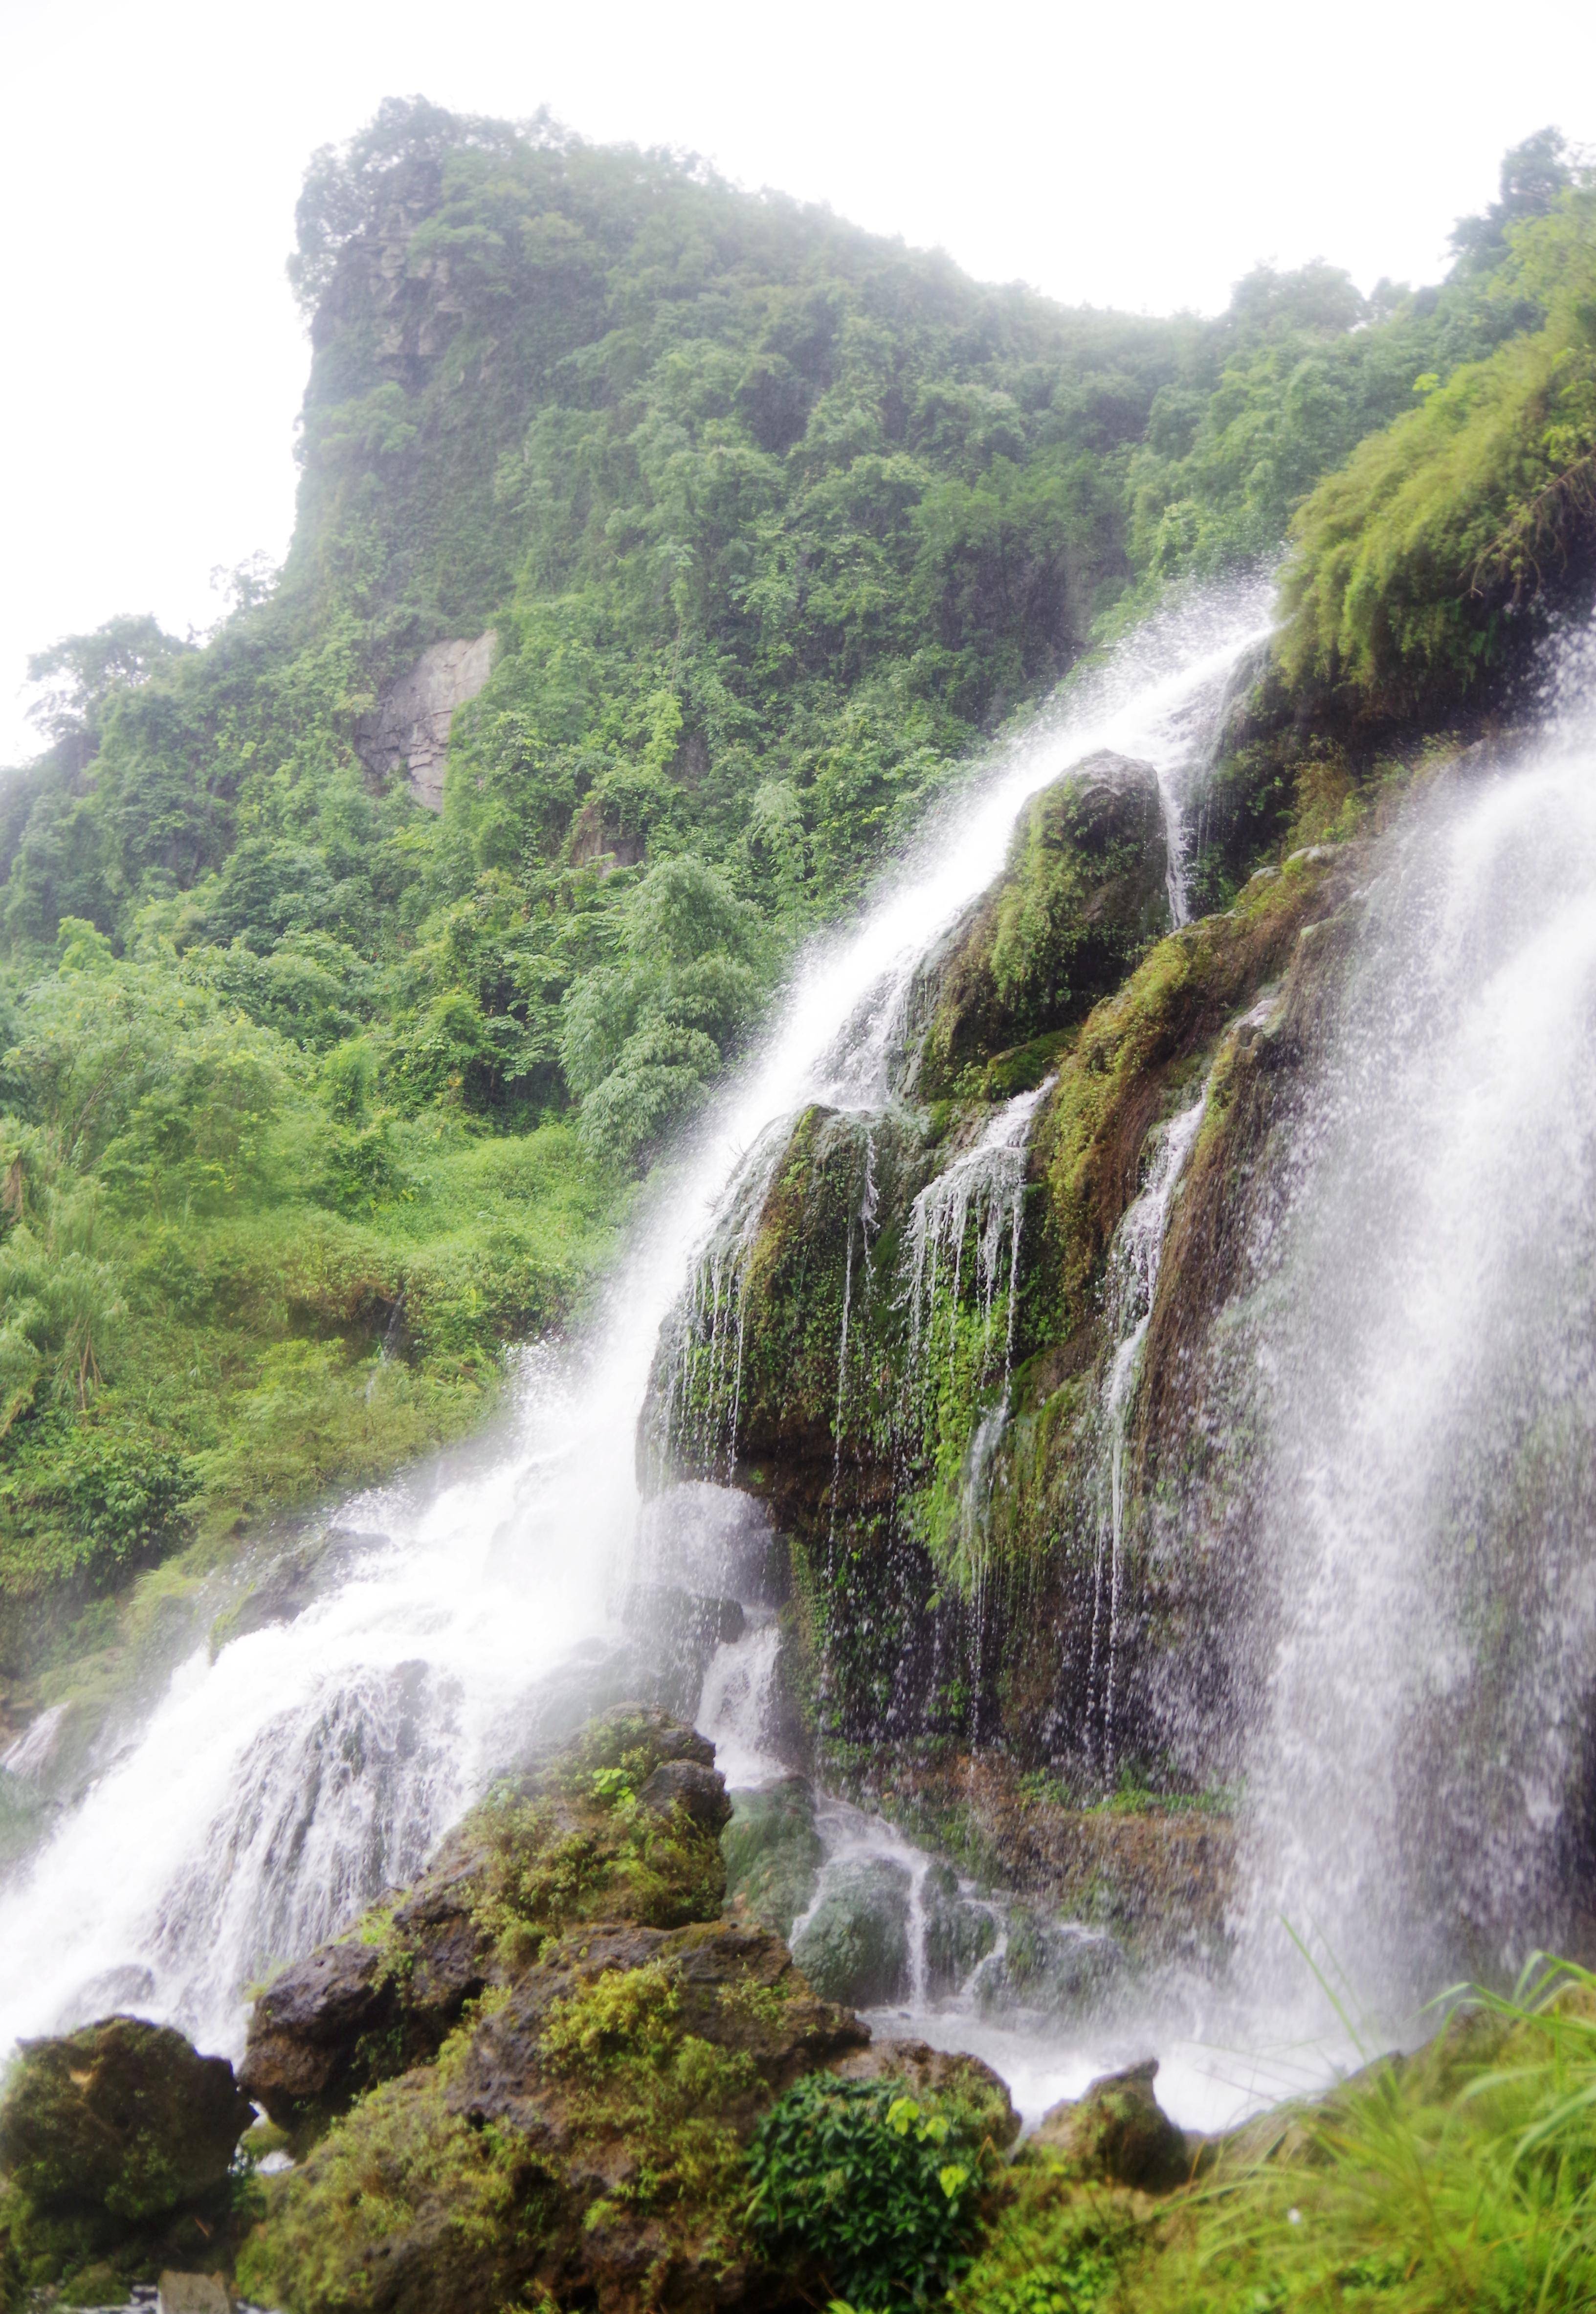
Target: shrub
{"x": 855, "y": 2180}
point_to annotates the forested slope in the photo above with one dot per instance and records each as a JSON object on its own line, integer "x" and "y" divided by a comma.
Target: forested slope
{"x": 314, "y": 1098}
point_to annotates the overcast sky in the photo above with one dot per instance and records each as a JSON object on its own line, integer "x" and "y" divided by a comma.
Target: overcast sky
{"x": 1140, "y": 155}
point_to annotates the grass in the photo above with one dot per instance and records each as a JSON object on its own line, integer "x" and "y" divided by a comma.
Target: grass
{"x": 1461, "y": 2180}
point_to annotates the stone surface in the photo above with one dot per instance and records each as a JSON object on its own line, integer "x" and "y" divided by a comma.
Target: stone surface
{"x": 929, "y": 2073}
{"x": 772, "y": 1852}
{"x": 1084, "y": 895}
{"x": 1120, "y": 2133}
{"x": 958, "y": 1932}
{"x": 854, "y": 1946}
{"x": 122, "y": 2122}
{"x": 408, "y": 732}
{"x": 1054, "y": 1968}
{"x": 685, "y": 1784}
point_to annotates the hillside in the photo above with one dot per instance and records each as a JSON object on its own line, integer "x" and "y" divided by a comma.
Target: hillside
{"x": 661, "y": 551}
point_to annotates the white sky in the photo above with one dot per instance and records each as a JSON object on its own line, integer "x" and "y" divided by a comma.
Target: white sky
{"x": 1137, "y": 153}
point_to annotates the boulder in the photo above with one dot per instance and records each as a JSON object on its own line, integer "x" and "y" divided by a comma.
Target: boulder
{"x": 929, "y": 2073}
{"x": 959, "y": 1933}
{"x": 584, "y": 2144}
{"x": 1119, "y": 2134}
{"x": 684, "y": 1784}
{"x": 854, "y": 1946}
{"x": 772, "y": 1852}
{"x": 122, "y": 2120}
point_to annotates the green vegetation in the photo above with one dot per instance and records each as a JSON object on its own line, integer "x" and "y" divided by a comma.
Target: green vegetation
{"x": 878, "y": 2198}
{"x": 1414, "y": 568}
{"x": 770, "y": 522}
{"x": 1462, "y": 2179}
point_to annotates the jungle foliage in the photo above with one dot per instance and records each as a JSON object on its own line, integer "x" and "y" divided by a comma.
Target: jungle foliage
{"x": 313, "y": 1100}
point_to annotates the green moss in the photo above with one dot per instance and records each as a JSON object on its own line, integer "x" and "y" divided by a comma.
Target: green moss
{"x": 1128, "y": 1056}
{"x": 1410, "y": 564}
{"x": 1082, "y": 896}
{"x": 402, "y": 2174}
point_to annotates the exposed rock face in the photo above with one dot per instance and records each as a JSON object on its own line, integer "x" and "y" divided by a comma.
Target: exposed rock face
{"x": 1119, "y": 2133}
{"x": 408, "y": 732}
{"x": 1083, "y": 895}
{"x": 622, "y": 1822}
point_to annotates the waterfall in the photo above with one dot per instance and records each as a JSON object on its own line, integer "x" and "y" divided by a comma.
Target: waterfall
{"x": 488, "y": 1607}
{"x": 1423, "y": 1759}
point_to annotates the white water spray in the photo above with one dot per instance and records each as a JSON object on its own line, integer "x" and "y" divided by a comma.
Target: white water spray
{"x": 1429, "y": 1482}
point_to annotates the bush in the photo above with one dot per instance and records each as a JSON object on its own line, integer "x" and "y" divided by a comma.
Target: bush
{"x": 853, "y": 2179}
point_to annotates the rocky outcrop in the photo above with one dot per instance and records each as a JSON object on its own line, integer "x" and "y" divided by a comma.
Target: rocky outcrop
{"x": 407, "y": 734}
{"x": 116, "y": 2144}
{"x": 1083, "y": 896}
{"x": 624, "y": 1823}
{"x": 579, "y": 2136}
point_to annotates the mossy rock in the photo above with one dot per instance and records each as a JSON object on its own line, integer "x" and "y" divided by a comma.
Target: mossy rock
{"x": 122, "y": 2116}
{"x": 958, "y": 1933}
{"x": 582, "y": 2140}
{"x": 623, "y": 1825}
{"x": 772, "y": 1852}
{"x": 1081, "y": 898}
{"x": 116, "y": 2148}
{"x": 854, "y": 1946}
{"x": 1119, "y": 2134}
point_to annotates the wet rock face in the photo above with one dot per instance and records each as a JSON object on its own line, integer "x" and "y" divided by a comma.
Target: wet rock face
{"x": 855, "y": 1945}
{"x": 1082, "y": 897}
{"x": 773, "y": 1853}
{"x": 623, "y": 1823}
{"x": 122, "y": 2116}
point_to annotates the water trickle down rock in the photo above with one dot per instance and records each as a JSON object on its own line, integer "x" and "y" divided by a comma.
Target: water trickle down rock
{"x": 1132, "y": 1282}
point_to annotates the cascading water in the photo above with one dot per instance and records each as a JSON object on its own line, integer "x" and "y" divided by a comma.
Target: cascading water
{"x": 272, "y": 1791}
{"x": 1428, "y": 1407}
{"x": 1133, "y": 1260}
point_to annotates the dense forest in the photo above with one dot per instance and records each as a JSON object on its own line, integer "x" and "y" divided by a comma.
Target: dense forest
{"x": 316, "y": 1099}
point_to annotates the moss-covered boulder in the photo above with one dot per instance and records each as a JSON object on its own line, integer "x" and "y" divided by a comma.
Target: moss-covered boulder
{"x": 624, "y": 1825}
{"x": 854, "y": 1946}
{"x": 772, "y": 1852}
{"x": 1082, "y": 897}
{"x": 583, "y": 2140}
{"x": 116, "y": 2142}
{"x": 1119, "y": 2134}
